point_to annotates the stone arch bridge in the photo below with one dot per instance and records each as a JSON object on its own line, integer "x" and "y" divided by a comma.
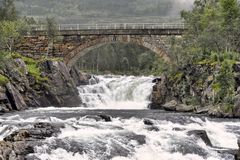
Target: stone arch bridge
{"x": 79, "y": 39}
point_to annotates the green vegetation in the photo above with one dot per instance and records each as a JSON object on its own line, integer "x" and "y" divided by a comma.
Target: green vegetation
{"x": 8, "y": 11}
{"x": 121, "y": 59}
{"x": 32, "y": 67}
{"x": 3, "y": 80}
{"x": 203, "y": 58}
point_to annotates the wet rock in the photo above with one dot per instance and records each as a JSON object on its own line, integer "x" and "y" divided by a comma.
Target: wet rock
{"x": 202, "y": 135}
{"x": 153, "y": 128}
{"x": 106, "y": 118}
{"x": 20, "y": 135}
{"x": 159, "y": 94}
{"x": 15, "y": 98}
{"x": 156, "y": 80}
{"x": 96, "y": 118}
{"x": 22, "y": 142}
{"x": 79, "y": 77}
{"x": 150, "y": 125}
{"x": 148, "y": 122}
{"x": 237, "y": 156}
{"x": 178, "y": 129}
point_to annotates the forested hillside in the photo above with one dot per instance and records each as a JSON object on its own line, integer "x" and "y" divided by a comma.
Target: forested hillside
{"x": 77, "y": 9}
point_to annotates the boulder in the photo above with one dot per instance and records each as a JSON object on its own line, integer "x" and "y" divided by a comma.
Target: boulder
{"x": 148, "y": 122}
{"x": 185, "y": 108}
{"x": 15, "y": 98}
{"x": 170, "y": 106}
{"x": 200, "y": 134}
{"x": 106, "y": 118}
{"x": 203, "y": 110}
{"x": 22, "y": 142}
{"x": 102, "y": 117}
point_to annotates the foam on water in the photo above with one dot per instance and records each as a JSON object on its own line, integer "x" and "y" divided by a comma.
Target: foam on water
{"x": 99, "y": 140}
{"x": 117, "y": 92}
{"x": 84, "y": 138}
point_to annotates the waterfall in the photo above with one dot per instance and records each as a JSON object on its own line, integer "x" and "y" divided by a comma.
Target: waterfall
{"x": 117, "y": 92}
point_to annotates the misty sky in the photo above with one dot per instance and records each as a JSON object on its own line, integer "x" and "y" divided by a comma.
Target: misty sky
{"x": 80, "y": 10}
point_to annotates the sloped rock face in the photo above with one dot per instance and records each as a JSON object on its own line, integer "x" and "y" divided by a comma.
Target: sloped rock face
{"x": 61, "y": 90}
{"x": 78, "y": 77}
{"x": 23, "y": 90}
{"x": 160, "y": 93}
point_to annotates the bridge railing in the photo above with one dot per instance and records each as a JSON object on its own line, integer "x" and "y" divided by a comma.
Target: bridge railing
{"x": 63, "y": 27}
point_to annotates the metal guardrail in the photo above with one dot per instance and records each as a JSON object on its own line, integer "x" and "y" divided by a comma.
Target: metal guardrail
{"x": 64, "y": 27}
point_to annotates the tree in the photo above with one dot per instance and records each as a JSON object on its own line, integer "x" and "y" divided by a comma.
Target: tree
{"x": 52, "y": 31}
{"x": 8, "y": 11}
{"x": 10, "y": 32}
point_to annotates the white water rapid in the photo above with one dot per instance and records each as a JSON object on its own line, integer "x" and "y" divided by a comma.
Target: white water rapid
{"x": 117, "y": 92}
{"x": 133, "y": 133}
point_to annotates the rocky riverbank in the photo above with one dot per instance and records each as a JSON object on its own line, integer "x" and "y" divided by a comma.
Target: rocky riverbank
{"x": 30, "y": 83}
{"x": 195, "y": 89}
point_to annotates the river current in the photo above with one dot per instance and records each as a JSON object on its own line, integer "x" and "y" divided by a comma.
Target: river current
{"x": 126, "y": 137}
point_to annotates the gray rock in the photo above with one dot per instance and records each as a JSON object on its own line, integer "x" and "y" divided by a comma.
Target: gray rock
{"x": 170, "y": 106}
{"x": 237, "y": 156}
{"x": 21, "y": 143}
{"x": 106, "y": 118}
{"x": 203, "y": 110}
{"x": 202, "y": 135}
{"x": 61, "y": 91}
{"x": 185, "y": 108}
{"x": 159, "y": 93}
{"x": 148, "y": 122}
{"x": 15, "y": 98}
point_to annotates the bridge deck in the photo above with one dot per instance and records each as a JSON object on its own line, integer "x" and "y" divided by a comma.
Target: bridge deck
{"x": 114, "y": 29}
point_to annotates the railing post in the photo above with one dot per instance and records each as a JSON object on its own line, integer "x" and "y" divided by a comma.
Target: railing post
{"x": 115, "y": 26}
{"x": 59, "y": 27}
{"x": 96, "y": 26}
{"x": 78, "y": 27}
{"x": 125, "y": 26}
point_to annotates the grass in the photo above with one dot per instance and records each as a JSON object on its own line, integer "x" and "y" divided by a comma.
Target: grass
{"x": 3, "y": 80}
{"x": 32, "y": 67}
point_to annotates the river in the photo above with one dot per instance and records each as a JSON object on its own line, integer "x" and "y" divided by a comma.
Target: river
{"x": 126, "y": 136}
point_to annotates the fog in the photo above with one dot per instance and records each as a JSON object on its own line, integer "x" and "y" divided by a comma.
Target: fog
{"x": 85, "y": 11}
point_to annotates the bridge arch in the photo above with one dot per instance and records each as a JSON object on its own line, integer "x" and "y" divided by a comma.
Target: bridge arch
{"x": 153, "y": 43}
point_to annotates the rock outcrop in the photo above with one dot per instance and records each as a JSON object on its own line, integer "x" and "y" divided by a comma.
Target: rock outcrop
{"x": 196, "y": 88}
{"x": 46, "y": 83}
{"x": 61, "y": 90}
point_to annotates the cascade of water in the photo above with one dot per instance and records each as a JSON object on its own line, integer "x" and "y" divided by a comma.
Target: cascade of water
{"x": 117, "y": 92}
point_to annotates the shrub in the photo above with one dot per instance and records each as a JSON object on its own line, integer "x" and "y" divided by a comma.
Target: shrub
{"x": 3, "y": 80}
